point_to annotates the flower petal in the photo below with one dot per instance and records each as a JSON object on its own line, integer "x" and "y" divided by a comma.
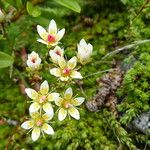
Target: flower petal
{"x": 83, "y": 43}
{"x": 60, "y": 34}
{"x": 77, "y": 101}
{"x": 90, "y": 48}
{"x": 58, "y": 49}
{"x": 52, "y": 29}
{"x": 47, "y": 129}
{"x": 64, "y": 78}
{"x": 72, "y": 63}
{"x": 34, "y": 107}
{"x": 44, "y": 88}
{"x": 74, "y": 113}
{"x": 42, "y": 32}
{"x": 56, "y": 72}
{"x": 62, "y": 63}
{"x": 62, "y": 114}
{"x": 53, "y": 96}
{"x": 54, "y": 56}
{"x": 58, "y": 101}
{"x": 31, "y": 93}
{"x": 53, "y": 44}
{"x": 35, "y": 64}
{"x": 35, "y": 133}
{"x": 34, "y": 114}
{"x": 47, "y": 117}
{"x": 47, "y": 107}
{"x": 42, "y": 41}
{"x": 68, "y": 93}
{"x": 76, "y": 75}
{"x": 27, "y": 124}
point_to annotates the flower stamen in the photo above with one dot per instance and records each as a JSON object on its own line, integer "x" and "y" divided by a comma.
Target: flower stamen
{"x": 66, "y": 71}
{"x": 39, "y": 122}
{"x": 50, "y": 38}
{"x": 42, "y": 99}
{"x": 58, "y": 53}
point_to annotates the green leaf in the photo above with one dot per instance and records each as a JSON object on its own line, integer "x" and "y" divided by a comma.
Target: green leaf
{"x": 71, "y": 4}
{"x": 5, "y": 60}
{"x": 124, "y": 1}
{"x": 33, "y": 10}
{"x": 19, "y": 3}
{"x": 11, "y": 2}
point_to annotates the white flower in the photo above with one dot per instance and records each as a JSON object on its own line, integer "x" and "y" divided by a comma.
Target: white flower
{"x": 52, "y": 36}
{"x": 2, "y": 16}
{"x": 34, "y": 60}
{"x": 84, "y": 52}
{"x": 41, "y": 99}
{"x": 66, "y": 70}
{"x": 38, "y": 123}
{"x": 56, "y": 53}
{"x": 68, "y": 104}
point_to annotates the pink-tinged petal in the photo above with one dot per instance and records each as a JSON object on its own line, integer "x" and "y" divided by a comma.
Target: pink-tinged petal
{"x": 47, "y": 107}
{"x": 64, "y": 78}
{"x": 76, "y": 75}
{"x": 35, "y": 133}
{"x": 53, "y": 56}
{"x": 47, "y": 129}
{"x": 62, "y": 63}
{"x": 59, "y": 51}
{"x": 52, "y": 29}
{"x": 42, "y": 41}
{"x": 34, "y": 107}
{"x": 31, "y": 93}
{"x": 62, "y": 114}
{"x": 53, "y": 96}
{"x": 74, "y": 113}
{"x": 44, "y": 88}
{"x": 60, "y": 34}
{"x": 47, "y": 117}
{"x": 27, "y": 124}
{"x": 32, "y": 64}
{"x": 42, "y": 32}
{"x": 56, "y": 72}
{"x": 77, "y": 101}
{"x": 72, "y": 63}
{"x": 59, "y": 101}
{"x": 68, "y": 93}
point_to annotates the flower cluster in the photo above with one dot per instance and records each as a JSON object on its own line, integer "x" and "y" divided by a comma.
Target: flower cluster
{"x": 41, "y": 109}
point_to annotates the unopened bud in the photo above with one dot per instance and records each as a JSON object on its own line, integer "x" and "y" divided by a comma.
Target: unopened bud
{"x": 84, "y": 52}
{"x": 2, "y": 16}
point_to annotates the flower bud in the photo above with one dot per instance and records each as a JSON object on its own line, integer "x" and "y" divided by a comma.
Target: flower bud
{"x": 56, "y": 54}
{"x": 2, "y": 16}
{"x": 84, "y": 52}
{"x": 33, "y": 61}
